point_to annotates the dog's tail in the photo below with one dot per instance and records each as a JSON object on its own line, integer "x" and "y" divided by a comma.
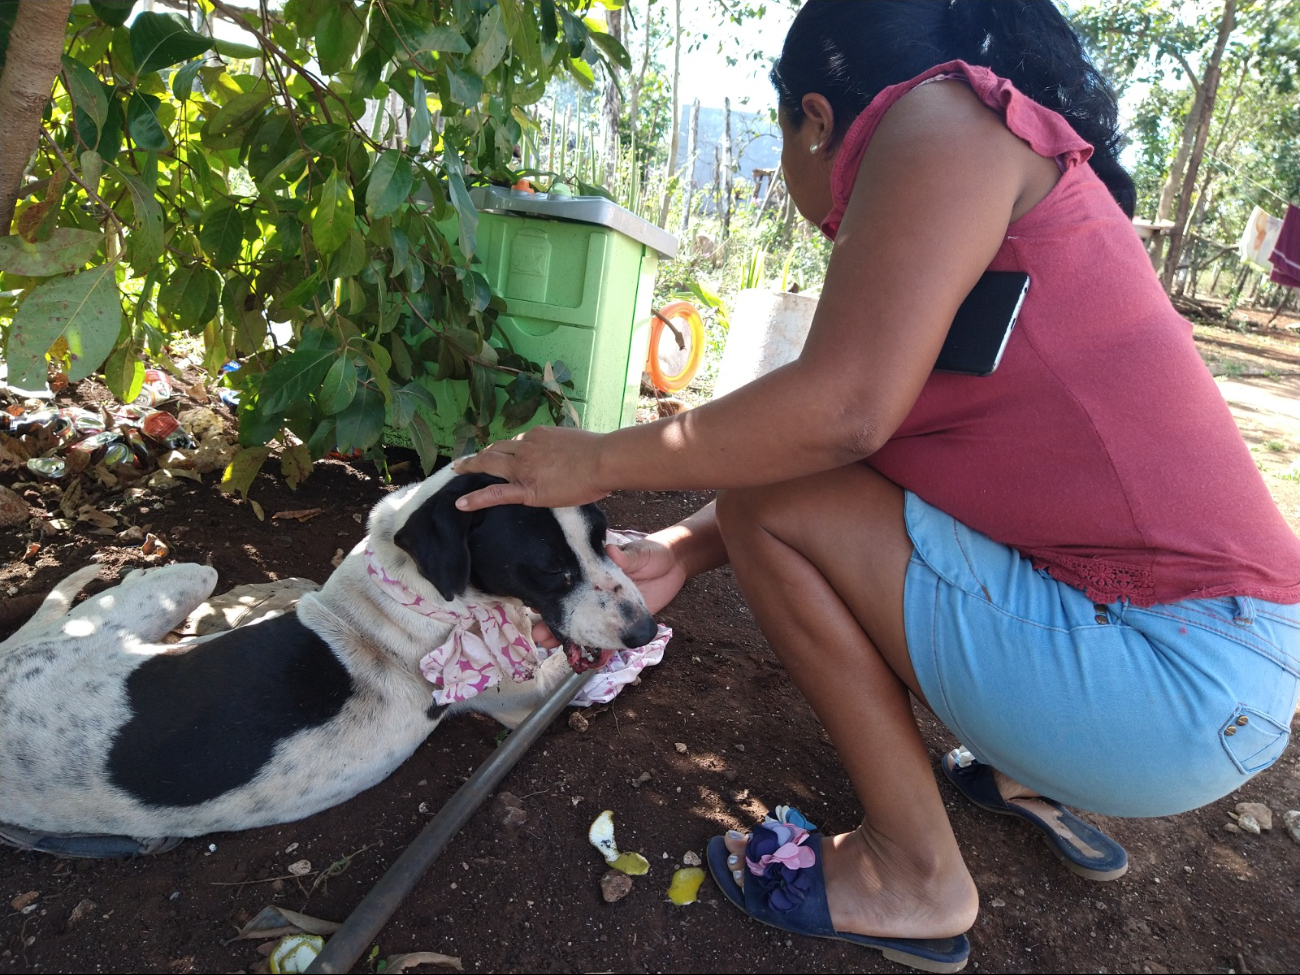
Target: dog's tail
{"x": 56, "y": 604}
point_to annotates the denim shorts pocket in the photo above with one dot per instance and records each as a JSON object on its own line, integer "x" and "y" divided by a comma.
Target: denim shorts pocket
{"x": 1253, "y": 739}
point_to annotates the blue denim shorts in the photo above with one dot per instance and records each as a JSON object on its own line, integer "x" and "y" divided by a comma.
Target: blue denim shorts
{"x": 1109, "y": 708}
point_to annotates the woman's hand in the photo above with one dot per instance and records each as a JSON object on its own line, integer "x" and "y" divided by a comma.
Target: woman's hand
{"x": 653, "y": 567}
{"x": 547, "y": 467}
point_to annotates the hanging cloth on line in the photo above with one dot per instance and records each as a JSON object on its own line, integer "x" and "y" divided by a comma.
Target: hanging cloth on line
{"x": 1286, "y": 252}
{"x": 1259, "y": 238}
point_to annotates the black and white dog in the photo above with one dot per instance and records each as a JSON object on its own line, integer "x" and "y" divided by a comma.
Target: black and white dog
{"x": 104, "y": 730}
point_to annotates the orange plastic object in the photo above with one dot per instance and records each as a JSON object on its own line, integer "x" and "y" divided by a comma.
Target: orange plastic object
{"x": 672, "y": 368}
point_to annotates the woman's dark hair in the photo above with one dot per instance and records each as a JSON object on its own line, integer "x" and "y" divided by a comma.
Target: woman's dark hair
{"x": 851, "y": 50}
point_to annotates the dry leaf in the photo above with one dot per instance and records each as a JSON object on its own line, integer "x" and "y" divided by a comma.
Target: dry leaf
{"x": 100, "y": 519}
{"x": 198, "y": 392}
{"x": 400, "y": 963}
{"x": 303, "y": 514}
{"x": 153, "y": 545}
{"x": 275, "y": 922}
{"x": 257, "y": 510}
{"x": 22, "y": 900}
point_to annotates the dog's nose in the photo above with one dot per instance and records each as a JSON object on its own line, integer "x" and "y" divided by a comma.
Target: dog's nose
{"x": 639, "y": 633}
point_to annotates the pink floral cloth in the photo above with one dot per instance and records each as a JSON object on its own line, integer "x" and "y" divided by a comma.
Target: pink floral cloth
{"x": 621, "y": 669}
{"x": 485, "y": 645}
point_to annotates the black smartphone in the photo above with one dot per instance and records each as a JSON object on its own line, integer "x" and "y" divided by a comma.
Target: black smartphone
{"x": 979, "y": 332}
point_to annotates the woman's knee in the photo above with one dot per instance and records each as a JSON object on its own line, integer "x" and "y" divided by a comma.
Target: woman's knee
{"x": 742, "y": 510}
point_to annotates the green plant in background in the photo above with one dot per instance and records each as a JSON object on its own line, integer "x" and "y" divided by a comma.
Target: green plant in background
{"x": 317, "y": 176}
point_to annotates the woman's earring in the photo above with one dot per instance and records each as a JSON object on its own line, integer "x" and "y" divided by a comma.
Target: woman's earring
{"x": 814, "y": 147}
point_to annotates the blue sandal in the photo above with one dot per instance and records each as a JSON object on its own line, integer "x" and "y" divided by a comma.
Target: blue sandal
{"x": 1086, "y": 850}
{"x": 84, "y": 845}
{"x": 789, "y": 892}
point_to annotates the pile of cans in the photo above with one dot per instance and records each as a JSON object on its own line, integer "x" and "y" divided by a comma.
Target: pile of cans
{"x": 71, "y": 439}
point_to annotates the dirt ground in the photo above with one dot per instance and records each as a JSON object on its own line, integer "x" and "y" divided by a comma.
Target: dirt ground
{"x": 526, "y": 897}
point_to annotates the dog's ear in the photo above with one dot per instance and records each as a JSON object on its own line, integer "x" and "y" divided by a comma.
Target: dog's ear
{"x": 436, "y": 535}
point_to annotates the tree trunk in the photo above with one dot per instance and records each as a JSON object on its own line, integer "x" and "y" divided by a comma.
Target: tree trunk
{"x": 677, "y": 115}
{"x": 692, "y": 150}
{"x": 640, "y": 78}
{"x": 725, "y": 175}
{"x": 1210, "y": 86}
{"x": 1176, "y": 169}
{"x": 613, "y": 101}
{"x": 31, "y": 65}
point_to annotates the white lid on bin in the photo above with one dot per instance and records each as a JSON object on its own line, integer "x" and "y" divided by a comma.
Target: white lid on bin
{"x": 583, "y": 209}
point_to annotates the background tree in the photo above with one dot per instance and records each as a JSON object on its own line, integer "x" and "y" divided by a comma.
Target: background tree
{"x": 315, "y": 174}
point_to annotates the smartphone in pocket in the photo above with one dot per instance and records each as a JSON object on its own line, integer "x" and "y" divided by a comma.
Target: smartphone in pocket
{"x": 979, "y": 332}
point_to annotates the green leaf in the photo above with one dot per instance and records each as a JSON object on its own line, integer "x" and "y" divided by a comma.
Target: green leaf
{"x": 493, "y": 41}
{"x": 550, "y": 26}
{"x": 337, "y": 35}
{"x": 87, "y": 91}
{"x": 67, "y": 249}
{"x": 611, "y": 48}
{"x": 145, "y": 245}
{"x": 581, "y": 72}
{"x": 362, "y": 423}
{"x": 295, "y": 464}
{"x": 92, "y": 168}
{"x": 287, "y": 163}
{"x": 84, "y": 309}
{"x": 124, "y": 373}
{"x": 426, "y": 444}
{"x": 401, "y": 251}
{"x": 460, "y": 200}
{"x": 115, "y": 13}
{"x": 105, "y": 137}
{"x": 235, "y": 51}
{"x": 243, "y": 468}
{"x": 334, "y": 215}
{"x": 297, "y": 375}
{"x": 301, "y": 293}
{"x": 238, "y": 112}
{"x": 421, "y": 122}
{"x": 466, "y": 88}
{"x": 390, "y": 183}
{"x": 324, "y": 137}
{"x": 183, "y": 80}
{"x": 407, "y": 399}
{"x": 575, "y": 33}
{"x": 444, "y": 39}
{"x": 161, "y": 40}
{"x": 222, "y": 234}
{"x": 339, "y": 386}
{"x": 189, "y": 298}
{"x": 349, "y": 259}
{"x": 142, "y": 122}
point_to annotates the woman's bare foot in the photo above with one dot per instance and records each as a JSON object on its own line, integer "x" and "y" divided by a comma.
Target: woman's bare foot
{"x": 877, "y": 890}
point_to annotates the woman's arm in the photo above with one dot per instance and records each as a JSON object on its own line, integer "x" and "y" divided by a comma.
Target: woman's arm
{"x": 937, "y": 188}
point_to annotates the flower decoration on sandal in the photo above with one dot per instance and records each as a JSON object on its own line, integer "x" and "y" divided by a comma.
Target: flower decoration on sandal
{"x": 778, "y": 858}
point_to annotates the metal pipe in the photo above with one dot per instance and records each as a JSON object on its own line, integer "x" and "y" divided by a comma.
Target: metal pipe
{"x": 348, "y": 943}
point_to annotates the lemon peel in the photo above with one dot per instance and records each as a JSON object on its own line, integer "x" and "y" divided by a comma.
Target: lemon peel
{"x": 601, "y": 836}
{"x": 685, "y": 885}
{"x": 294, "y": 952}
{"x": 632, "y": 864}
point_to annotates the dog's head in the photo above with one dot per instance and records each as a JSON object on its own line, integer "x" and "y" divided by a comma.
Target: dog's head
{"x": 551, "y": 559}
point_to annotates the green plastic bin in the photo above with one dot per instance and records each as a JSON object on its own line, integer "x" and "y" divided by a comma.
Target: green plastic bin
{"x": 577, "y": 275}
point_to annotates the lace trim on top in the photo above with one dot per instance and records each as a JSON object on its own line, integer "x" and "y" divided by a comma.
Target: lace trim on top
{"x": 1103, "y": 581}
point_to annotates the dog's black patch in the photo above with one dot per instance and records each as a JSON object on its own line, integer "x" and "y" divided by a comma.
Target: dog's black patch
{"x": 435, "y": 711}
{"x": 207, "y": 720}
{"x": 436, "y": 534}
